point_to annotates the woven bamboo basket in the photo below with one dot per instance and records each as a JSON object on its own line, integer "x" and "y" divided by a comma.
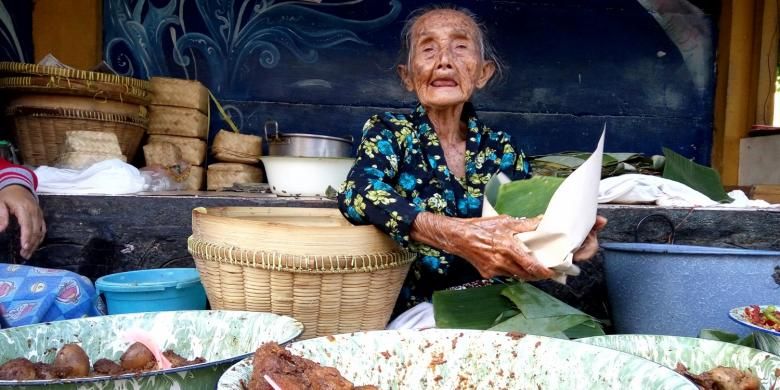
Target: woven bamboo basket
{"x": 222, "y": 175}
{"x": 64, "y": 86}
{"x": 183, "y": 122}
{"x": 235, "y": 147}
{"x": 40, "y": 132}
{"x": 308, "y": 263}
{"x": 193, "y": 150}
{"x": 174, "y": 92}
{"x": 23, "y": 77}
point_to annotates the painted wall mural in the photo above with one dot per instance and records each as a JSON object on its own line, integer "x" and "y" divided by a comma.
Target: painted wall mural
{"x": 644, "y": 67}
{"x": 16, "y": 30}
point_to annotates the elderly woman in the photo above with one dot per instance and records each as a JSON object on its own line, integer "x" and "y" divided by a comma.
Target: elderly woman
{"x": 420, "y": 176}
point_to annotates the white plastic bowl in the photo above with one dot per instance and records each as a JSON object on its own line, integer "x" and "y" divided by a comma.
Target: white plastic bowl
{"x": 305, "y": 176}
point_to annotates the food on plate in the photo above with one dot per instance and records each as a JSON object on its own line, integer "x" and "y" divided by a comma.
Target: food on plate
{"x": 178, "y": 361}
{"x": 72, "y": 362}
{"x": 138, "y": 358}
{"x": 721, "y": 378}
{"x": 276, "y": 368}
{"x": 768, "y": 318}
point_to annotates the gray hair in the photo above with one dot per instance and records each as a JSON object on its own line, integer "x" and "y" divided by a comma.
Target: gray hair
{"x": 486, "y": 48}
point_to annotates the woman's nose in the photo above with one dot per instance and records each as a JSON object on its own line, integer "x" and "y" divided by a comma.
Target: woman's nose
{"x": 445, "y": 57}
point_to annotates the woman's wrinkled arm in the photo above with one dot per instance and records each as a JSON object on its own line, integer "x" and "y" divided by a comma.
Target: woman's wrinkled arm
{"x": 487, "y": 243}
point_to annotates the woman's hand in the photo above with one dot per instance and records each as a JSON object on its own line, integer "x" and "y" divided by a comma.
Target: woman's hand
{"x": 20, "y": 202}
{"x": 487, "y": 243}
{"x": 590, "y": 246}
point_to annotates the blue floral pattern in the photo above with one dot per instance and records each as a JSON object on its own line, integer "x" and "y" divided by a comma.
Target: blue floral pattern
{"x": 400, "y": 171}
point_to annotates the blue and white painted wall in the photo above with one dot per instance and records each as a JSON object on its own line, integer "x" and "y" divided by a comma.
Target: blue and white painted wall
{"x": 645, "y": 67}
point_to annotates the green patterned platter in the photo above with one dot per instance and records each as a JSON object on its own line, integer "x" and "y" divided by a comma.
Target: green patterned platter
{"x": 697, "y": 354}
{"x": 452, "y": 358}
{"x": 220, "y": 337}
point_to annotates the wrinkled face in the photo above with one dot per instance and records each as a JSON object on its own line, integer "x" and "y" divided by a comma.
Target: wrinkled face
{"x": 445, "y": 65}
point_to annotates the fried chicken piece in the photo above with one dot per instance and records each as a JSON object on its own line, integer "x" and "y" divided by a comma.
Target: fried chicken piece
{"x": 292, "y": 372}
{"x": 107, "y": 367}
{"x": 50, "y": 371}
{"x": 178, "y": 361}
{"x": 729, "y": 378}
{"x": 721, "y": 378}
{"x": 19, "y": 369}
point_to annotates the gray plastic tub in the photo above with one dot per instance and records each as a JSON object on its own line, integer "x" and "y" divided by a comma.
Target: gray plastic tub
{"x": 678, "y": 289}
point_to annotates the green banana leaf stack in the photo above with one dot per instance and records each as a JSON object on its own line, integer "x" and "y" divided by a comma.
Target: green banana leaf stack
{"x": 514, "y": 307}
{"x": 613, "y": 164}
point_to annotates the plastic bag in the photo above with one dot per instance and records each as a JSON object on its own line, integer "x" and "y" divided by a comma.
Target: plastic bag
{"x": 159, "y": 178}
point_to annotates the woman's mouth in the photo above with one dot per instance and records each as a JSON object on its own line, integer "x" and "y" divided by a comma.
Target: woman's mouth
{"x": 444, "y": 83}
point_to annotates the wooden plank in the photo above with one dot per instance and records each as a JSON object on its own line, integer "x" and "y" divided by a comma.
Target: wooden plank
{"x": 767, "y": 192}
{"x": 738, "y": 89}
{"x": 767, "y": 29}
{"x": 69, "y": 29}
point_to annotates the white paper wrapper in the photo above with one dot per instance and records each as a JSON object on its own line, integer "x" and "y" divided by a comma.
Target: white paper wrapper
{"x": 568, "y": 219}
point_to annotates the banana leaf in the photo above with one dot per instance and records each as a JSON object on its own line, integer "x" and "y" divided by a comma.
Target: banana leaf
{"x": 728, "y": 337}
{"x": 613, "y": 164}
{"x": 703, "y": 179}
{"x": 544, "y": 315}
{"x": 517, "y": 307}
{"x": 526, "y": 198}
{"x": 473, "y": 308}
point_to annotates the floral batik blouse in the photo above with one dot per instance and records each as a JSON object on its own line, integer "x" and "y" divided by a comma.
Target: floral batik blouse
{"x": 400, "y": 171}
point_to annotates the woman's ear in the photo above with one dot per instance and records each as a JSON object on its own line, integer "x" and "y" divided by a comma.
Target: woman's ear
{"x": 488, "y": 69}
{"x": 403, "y": 72}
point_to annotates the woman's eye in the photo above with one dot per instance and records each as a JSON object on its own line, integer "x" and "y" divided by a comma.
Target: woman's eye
{"x": 427, "y": 49}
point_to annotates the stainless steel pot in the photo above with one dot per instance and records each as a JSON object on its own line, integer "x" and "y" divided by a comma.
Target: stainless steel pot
{"x": 305, "y": 145}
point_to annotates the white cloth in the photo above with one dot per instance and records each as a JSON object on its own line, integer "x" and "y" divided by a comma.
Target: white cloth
{"x": 418, "y": 317}
{"x": 110, "y": 177}
{"x": 637, "y": 188}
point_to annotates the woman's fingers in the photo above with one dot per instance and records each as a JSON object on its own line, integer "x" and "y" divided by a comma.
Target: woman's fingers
{"x": 590, "y": 246}
{"x": 3, "y": 216}
{"x": 26, "y": 222}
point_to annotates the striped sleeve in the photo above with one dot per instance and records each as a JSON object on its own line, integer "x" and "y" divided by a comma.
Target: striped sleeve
{"x": 14, "y": 174}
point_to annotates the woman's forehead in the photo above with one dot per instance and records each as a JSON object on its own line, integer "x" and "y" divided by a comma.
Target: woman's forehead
{"x": 441, "y": 20}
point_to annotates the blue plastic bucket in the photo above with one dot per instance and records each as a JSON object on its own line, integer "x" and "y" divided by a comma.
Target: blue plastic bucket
{"x": 679, "y": 290}
{"x": 152, "y": 290}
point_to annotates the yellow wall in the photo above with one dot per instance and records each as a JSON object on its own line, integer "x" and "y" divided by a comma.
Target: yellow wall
{"x": 69, "y": 29}
{"x": 747, "y": 55}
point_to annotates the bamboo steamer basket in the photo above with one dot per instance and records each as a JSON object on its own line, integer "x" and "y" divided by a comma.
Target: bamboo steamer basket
{"x": 309, "y": 263}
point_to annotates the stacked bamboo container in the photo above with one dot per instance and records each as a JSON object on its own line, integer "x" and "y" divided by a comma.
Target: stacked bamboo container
{"x": 178, "y": 129}
{"x": 238, "y": 155}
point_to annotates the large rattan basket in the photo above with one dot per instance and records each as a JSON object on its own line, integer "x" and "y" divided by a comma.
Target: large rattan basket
{"x": 40, "y": 132}
{"x": 308, "y": 263}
